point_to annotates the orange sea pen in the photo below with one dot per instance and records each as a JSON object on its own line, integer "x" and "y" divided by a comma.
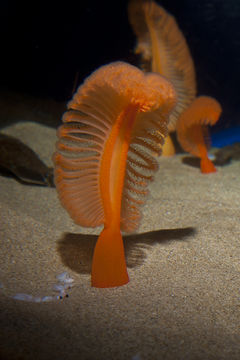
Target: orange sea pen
{"x": 192, "y": 131}
{"x": 164, "y": 50}
{"x": 104, "y": 159}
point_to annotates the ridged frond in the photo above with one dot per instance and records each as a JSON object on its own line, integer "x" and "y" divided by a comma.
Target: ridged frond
{"x": 146, "y": 145}
{"x": 77, "y": 165}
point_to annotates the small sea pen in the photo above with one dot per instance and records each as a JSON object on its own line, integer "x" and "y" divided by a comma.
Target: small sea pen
{"x": 192, "y": 131}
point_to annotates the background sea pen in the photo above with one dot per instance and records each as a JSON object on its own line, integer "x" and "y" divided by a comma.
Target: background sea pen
{"x": 164, "y": 50}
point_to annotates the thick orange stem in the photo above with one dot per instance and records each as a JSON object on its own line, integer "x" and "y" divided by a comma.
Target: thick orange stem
{"x": 207, "y": 166}
{"x": 109, "y": 266}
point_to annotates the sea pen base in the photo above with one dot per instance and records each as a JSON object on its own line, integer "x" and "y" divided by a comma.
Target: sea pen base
{"x": 109, "y": 265}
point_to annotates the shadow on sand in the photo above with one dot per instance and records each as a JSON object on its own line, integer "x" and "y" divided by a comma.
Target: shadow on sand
{"x": 76, "y": 250}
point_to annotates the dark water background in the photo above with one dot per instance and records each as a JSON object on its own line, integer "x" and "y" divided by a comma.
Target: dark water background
{"x": 49, "y": 47}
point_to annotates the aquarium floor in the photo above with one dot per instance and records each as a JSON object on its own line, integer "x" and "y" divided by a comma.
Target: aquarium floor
{"x": 183, "y": 298}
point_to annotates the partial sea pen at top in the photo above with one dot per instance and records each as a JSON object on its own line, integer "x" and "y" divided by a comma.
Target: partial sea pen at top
{"x": 164, "y": 50}
{"x": 113, "y": 129}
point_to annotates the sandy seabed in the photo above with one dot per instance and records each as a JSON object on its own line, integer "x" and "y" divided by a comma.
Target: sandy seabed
{"x": 183, "y": 299}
